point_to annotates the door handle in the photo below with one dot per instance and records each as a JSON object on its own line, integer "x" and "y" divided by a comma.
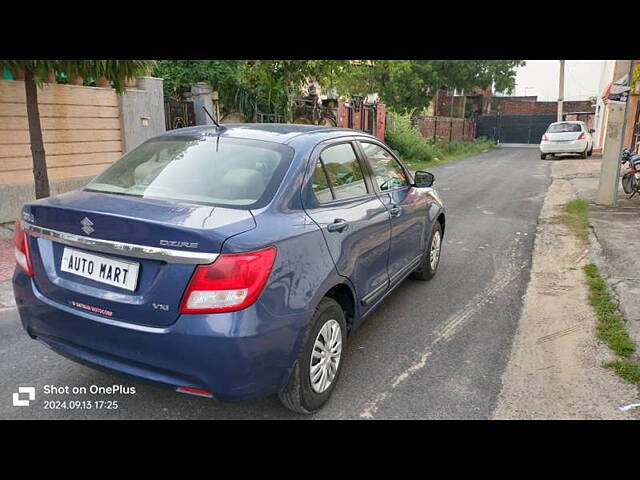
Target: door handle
{"x": 395, "y": 211}
{"x": 338, "y": 225}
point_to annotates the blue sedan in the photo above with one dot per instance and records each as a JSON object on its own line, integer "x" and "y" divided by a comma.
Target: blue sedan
{"x": 228, "y": 262}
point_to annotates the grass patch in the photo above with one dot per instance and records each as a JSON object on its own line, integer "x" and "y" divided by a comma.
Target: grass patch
{"x": 611, "y": 327}
{"x": 625, "y": 369}
{"x": 419, "y": 153}
{"x": 574, "y": 216}
{"x": 610, "y": 324}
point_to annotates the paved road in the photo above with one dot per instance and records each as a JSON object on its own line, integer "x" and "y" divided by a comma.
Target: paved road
{"x": 432, "y": 350}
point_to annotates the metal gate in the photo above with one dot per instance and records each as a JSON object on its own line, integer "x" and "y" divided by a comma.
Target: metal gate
{"x": 362, "y": 116}
{"x": 514, "y": 128}
{"x": 179, "y": 114}
{"x": 262, "y": 117}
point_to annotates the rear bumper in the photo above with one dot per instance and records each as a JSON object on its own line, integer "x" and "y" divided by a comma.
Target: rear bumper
{"x": 575, "y": 146}
{"x": 236, "y": 356}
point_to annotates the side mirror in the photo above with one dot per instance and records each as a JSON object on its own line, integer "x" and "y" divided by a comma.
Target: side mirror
{"x": 423, "y": 179}
{"x": 592, "y": 130}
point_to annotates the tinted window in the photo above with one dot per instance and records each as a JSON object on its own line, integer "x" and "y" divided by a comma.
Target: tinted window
{"x": 387, "y": 171}
{"x": 564, "y": 127}
{"x": 232, "y": 172}
{"x": 338, "y": 174}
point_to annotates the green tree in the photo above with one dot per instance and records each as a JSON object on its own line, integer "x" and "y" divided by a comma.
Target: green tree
{"x": 407, "y": 85}
{"x": 249, "y": 85}
{"x": 36, "y": 73}
{"x": 179, "y": 75}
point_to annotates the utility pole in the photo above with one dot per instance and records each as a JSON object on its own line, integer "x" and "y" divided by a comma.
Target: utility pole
{"x": 453, "y": 97}
{"x": 613, "y": 145}
{"x": 464, "y": 104}
{"x": 560, "y": 91}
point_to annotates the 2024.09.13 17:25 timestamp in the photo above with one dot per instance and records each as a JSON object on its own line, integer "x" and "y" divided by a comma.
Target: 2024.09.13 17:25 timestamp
{"x": 80, "y": 404}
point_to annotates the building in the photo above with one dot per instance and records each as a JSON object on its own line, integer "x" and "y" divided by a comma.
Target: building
{"x": 611, "y": 71}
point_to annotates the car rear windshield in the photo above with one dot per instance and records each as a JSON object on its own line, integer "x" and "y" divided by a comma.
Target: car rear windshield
{"x": 564, "y": 127}
{"x": 221, "y": 171}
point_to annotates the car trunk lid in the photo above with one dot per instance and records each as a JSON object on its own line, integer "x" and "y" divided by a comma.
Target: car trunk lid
{"x": 563, "y": 136}
{"x": 165, "y": 239}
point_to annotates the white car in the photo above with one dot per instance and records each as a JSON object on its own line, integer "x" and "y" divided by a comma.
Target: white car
{"x": 567, "y": 137}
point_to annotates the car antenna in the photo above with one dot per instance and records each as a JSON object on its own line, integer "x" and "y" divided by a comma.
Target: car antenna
{"x": 211, "y": 117}
{"x": 218, "y": 127}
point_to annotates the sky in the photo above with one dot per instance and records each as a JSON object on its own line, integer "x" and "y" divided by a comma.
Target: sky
{"x": 540, "y": 77}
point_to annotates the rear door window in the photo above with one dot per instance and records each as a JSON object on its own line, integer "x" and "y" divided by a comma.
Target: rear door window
{"x": 338, "y": 174}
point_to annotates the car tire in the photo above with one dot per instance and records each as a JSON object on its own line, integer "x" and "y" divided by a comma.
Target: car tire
{"x": 300, "y": 394}
{"x": 543, "y": 156}
{"x": 583, "y": 155}
{"x": 590, "y": 152}
{"x": 427, "y": 268}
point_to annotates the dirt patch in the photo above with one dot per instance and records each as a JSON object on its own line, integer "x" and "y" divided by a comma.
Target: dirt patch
{"x": 555, "y": 368}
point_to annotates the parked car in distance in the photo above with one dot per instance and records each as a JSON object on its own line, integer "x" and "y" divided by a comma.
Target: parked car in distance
{"x": 567, "y": 137}
{"x": 228, "y": 262}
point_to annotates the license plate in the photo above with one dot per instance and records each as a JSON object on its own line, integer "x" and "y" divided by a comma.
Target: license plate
{"x": 100, "y": 269}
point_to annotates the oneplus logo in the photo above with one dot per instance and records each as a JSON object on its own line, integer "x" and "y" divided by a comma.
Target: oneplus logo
{"x": 31, "y": 393}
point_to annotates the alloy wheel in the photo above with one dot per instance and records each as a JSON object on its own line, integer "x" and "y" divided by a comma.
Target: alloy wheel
{"x": 434, "y": 254}
{"x": 325, "y": 356}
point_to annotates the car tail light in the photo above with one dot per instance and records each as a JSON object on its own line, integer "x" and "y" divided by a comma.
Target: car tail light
{"x": 233, "y": 282}
{"x": 21, "y": 249}
{"x": 581, "y": 136}
{"x": 545, "y": 138}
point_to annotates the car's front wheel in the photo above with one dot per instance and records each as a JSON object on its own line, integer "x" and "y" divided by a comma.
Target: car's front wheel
{"x": 431, "y": 257}
{"x": 543, "y": 156}
{"x": 318, "y": 366}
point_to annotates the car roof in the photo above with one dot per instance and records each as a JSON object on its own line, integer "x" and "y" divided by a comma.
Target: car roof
{"x": 272, "y": 132}
{"x": 568, "y": 121}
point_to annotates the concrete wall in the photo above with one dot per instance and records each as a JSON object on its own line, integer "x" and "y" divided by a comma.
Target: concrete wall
{"x": 508, "y": 106}
{"x": 446, "y": 128}
{"x": 80, "y": 128}
{"x": 12, "y": 197}
{"x": 85, "y": 129}
{"x": 142, "y": 112}
{"x": 201, "y": 96}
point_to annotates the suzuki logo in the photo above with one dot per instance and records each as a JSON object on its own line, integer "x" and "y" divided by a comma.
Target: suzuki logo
{"x": 86, "y": 226}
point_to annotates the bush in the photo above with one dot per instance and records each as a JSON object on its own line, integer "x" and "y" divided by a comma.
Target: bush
{"x": 420, "y": 152}
{"x": 402, "y": 136}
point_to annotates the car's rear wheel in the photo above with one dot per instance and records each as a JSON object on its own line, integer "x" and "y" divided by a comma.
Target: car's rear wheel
{"x": 543, "y": 156}
{"x": 590, "y": 152}
{"x": 583, "y": 154}
{"x": 316, "y": 371}
{"x": 431, "y": 257}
